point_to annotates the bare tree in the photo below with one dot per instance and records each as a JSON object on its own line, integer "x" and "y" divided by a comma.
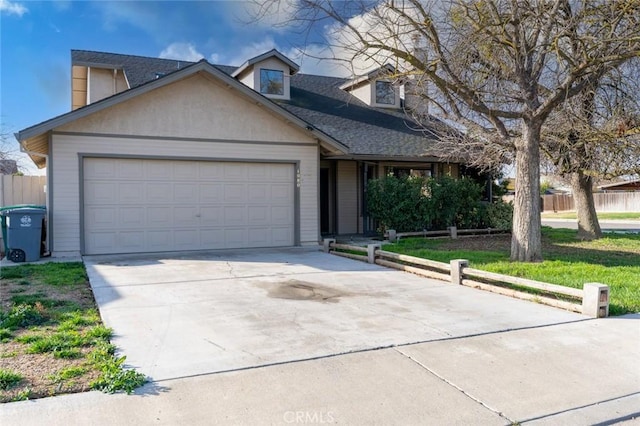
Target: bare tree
{"x": 10, "y": 159}
{"x": 498, "y": 68}
{"x": 594, "y": 136}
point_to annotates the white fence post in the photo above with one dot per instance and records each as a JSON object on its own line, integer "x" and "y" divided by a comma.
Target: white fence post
{"x": 393, "y": 236}
{"x": 371, "y": 252}
{"x": 595, "y": 300}
{"x": 456, "y": 270}
{"x": 327, "y": 244}
{"x": 453, "y": 232}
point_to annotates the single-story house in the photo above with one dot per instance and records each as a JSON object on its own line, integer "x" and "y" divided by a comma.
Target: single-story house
{"x": 625, "y": 185}
{"x": 167, "y": 155}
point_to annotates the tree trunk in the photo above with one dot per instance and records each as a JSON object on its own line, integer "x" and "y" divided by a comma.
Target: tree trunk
{"x": 526, "y": 237}
{"x": 588, "y": 225}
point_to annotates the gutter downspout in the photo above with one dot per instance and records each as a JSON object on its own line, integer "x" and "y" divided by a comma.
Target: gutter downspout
{"x": 47, "y": 192}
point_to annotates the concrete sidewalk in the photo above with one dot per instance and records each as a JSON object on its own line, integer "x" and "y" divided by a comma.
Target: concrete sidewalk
{"x": 581, "y": 373}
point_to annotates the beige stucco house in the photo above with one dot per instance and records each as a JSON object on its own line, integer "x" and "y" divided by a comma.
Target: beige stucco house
{"x": 167, "y": 155}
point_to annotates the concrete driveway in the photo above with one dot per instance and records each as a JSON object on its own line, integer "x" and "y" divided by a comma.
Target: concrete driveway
{"x": 274, "y": 328}
{"x": 180, "y": 315}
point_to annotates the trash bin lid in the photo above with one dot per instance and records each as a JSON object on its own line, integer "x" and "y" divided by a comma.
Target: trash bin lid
{"x": 24, "y": 210}
{"x": 6, "y": 209}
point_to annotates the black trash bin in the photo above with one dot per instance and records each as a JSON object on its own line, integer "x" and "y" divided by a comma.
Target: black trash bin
{"x": 24, "y": 233}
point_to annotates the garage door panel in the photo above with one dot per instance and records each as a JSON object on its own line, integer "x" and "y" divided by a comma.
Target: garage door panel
{"x": 185, "y": 192}
{"x": 281, "y": 235}
{"x": 211, "y": 216}
{"x": 259, "y": 193}
{"x": 185, "y": 171}
{"x": 235, "y": 193}
{"x": 102, "y": 217}
{"x": 101, "y": 242}
{"x": 235, "y": 237}
{"x": 135, "y": 205}
{"x": 130, "y": 241}
{"x": 211, "y": 171}
{"x": 101, "y": 193}
{"x": 159, "y": 217}
{"x": 131, "y": 218}
{"x": 131, "y": 192}
{"x": 133, "y": 169}
{"x": 101, "y": 168}
{"x": 160, "y": 240}
{"x": 156, "y": 193}
{"x": 235, "y": 216}
{"x": 211, "y": 192}
{"x": 237, "y": 171}
{"x": 259, "y": 215}
{"x": 212, "y": 238}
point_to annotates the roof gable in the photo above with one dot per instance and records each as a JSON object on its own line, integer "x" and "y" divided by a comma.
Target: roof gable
{"x": 273, "y": 53}
{"x": 39, "y": 130}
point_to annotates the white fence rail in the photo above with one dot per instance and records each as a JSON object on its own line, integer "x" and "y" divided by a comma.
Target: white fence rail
{"x": 591, "y": 300}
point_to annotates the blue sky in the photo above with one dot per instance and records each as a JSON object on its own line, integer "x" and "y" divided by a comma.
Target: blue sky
{"x": 36, "y": 38}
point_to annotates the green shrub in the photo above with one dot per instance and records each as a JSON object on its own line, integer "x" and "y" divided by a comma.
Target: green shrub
{"x": 414, "y": 204}
{"x": 398, "y": 203}
{"x": 498, "y": 215}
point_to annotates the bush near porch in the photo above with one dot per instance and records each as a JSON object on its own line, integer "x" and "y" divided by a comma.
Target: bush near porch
{"x": 414, "y": 203}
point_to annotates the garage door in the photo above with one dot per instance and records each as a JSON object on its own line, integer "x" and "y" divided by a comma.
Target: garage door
{"x": 140, "y": 205}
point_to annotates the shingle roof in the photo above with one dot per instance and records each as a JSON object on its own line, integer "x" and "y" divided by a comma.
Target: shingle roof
{"x": 367, "y": 131}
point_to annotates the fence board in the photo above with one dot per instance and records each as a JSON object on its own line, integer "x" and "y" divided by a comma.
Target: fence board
{"x": 22, "y": 190}
{"x": 628, "y": 201}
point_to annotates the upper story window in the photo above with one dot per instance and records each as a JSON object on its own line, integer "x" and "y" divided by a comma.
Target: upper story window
{"x": 271, "y": 82}
{"x": 385, "y": 93}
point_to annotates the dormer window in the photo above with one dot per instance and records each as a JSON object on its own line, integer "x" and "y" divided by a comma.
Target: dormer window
{"x": 385, "y": 93}
{"x": 271, "y": 82}
{"x": 269, "y": 74}
{"x": 375, "y": 88}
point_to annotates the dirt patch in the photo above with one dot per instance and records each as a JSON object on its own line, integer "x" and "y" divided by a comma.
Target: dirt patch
{"x": 302, "y": 290}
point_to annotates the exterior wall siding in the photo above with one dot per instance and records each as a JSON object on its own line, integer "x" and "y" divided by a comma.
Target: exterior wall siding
{"x": 78, "y": 86}
{"x": 347, "y": 197}
{"x": 104, "y": 83}
{"x": 169, "y": 119}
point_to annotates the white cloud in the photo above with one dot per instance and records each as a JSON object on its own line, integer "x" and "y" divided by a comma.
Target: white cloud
{"x": 181, "y": 51}
{"x": 11, "y": 8}
{"x": 251, "y": 50}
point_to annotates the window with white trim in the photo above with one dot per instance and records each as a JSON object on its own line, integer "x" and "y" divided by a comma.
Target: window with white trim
{"x": 271, "y": 82}
{"x": 385, "y": 93}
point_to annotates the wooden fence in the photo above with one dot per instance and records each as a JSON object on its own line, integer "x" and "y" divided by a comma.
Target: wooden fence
{"x": 605, "y": 202}
{"x": 22, "y": 190}
{"x": 591, "y": 300}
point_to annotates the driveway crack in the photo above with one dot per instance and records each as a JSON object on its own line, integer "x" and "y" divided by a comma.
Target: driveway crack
{"x": 458, "y": 388}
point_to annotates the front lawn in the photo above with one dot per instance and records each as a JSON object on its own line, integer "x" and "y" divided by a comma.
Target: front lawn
{"x": 613, "y": 260}
{"x": 52, "y": 340}
{"x": 601, "y": 215}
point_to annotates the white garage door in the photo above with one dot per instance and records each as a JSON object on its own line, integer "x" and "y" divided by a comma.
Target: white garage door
{"x": 138, "y": 205}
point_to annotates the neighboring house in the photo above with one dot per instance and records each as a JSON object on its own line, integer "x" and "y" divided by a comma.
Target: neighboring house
{"x": 627, "y": 185}
{"x": 167, "y": 155}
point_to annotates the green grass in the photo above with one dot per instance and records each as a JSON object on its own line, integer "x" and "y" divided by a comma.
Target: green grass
{"x": 9, "y": 379}
{"x": 613, "y": 260}
{"x": 68, "y": 373}
{"x": 55, "y": 274}
{"x": 601, "y": 216}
